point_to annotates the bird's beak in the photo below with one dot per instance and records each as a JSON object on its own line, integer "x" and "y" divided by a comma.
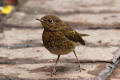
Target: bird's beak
{"x": 40, "y": 20}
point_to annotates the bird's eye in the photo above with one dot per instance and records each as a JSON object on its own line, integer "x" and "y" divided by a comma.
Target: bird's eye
{"x": 50, "y": 21}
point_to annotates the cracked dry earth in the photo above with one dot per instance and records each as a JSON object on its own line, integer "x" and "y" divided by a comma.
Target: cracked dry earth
{"x": 23, "y": 56}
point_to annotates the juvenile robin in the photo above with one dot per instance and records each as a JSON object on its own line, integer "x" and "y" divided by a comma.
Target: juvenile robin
{"x": 59, "y": 38}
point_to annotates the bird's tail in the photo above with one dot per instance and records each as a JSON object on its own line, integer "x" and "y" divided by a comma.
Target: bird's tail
{"x": 81, "y": 39}
{"x": 84, "y": 34}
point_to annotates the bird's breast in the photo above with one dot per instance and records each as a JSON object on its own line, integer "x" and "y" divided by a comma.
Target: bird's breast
{"x": 57, "y": 43}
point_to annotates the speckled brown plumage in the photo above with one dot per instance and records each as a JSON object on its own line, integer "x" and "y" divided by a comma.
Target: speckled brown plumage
{"x": 58, "y": 38}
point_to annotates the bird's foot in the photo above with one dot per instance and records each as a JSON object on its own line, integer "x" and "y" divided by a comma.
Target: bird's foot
{"x": 81, "y": 69}
{"x": 53, "y": 72}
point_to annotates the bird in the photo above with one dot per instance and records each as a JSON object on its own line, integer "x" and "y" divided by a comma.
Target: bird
{"x": 59, "y": 38}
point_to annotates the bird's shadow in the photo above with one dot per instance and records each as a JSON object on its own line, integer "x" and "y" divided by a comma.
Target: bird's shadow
{"x": 60, "y": 69}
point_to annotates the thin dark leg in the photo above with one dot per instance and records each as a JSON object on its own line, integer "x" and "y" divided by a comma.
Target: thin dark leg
{"x": 54, "y": 68}
{"x": 77, "y": 59}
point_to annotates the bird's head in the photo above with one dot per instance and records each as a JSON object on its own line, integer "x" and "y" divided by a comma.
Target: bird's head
{"x": 51, "y": 23}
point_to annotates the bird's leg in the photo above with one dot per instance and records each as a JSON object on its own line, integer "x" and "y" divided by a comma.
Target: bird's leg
{"x": 54, "y": 68}
{"x": 77, "y": 60}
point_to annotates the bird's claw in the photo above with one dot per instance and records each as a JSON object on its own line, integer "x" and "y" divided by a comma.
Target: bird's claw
{"x": 81, "y": 69}
{"x": 53, "y": 72}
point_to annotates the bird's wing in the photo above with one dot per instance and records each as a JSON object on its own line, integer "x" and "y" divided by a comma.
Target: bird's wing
{"x": 74, "y": 36}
